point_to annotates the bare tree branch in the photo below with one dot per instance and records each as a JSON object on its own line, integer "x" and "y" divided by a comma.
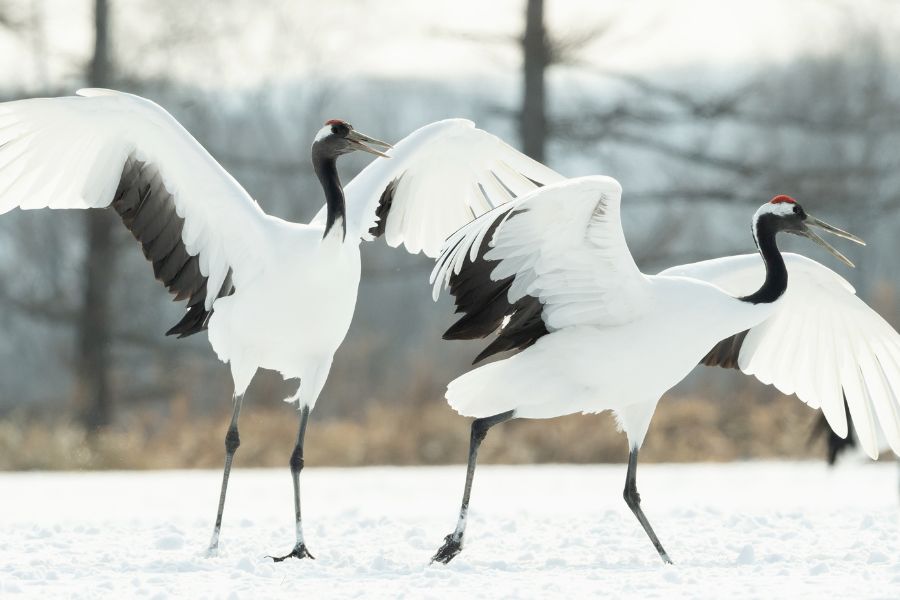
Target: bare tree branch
{"x": 564, "y": 49}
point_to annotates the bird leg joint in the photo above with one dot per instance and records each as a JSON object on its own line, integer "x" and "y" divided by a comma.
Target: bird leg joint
{"x": 631, "y": 495}
{"x": 232, "y": 440}
{"x": 479, "y": 429}
{"x": 297, "y": 459}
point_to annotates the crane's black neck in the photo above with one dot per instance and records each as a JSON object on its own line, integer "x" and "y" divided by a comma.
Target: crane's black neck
{"x": 326, "y": 170}
{"x": 776, "y": 273}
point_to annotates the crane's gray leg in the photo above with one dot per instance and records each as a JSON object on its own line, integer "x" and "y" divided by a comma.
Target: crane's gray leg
{"x": 453, "y": 542}
{"x": 300, "y": 550}
{"x": 232, "y": 442}
{"x": 633, "y": 500}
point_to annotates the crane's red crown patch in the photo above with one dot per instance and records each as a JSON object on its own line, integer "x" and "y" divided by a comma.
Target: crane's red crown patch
{"x": 335, "y": 122}
{"x": 782, "y": 198}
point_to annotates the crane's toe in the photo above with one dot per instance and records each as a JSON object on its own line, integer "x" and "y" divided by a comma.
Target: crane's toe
{"x": 452, "y": 546}
{"x": 299, "y": 551}
{"x": 213, "y": 550}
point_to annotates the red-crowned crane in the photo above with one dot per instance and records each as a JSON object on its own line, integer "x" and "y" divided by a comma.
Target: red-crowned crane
{"x": 551, "y": 272}
{"x": 272, "y": 294}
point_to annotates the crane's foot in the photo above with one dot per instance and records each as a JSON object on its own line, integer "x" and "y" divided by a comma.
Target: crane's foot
{"x": 452, "y": 546}
{"x": 299, "y": 551}
{"x": 213, "y": 549}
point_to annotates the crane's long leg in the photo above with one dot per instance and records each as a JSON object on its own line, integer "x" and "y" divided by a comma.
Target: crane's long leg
{"x": 453, "y": 542}
{"x": 300, "y": 550}
{"x": 633, "y": 500}
{"x": 232, "y": 442}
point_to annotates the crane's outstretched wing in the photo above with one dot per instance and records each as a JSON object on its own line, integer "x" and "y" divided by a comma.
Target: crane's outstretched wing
{"x": 196, "y": 224}
{"x": 438, "y": 178}
{"x": 553, "y": 258}
{"x": 823, "y": 344}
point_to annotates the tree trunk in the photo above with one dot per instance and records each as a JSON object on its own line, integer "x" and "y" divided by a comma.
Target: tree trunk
{"x": 536, "y": 53}
{"x": 93, "y": 377}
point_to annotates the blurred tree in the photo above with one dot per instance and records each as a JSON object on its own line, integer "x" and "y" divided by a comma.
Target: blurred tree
{"x": 541, "y": 50}
{"x": 536, "y": 59}
{"x": 7, "y": 18}
{"x": 93, "y": 374}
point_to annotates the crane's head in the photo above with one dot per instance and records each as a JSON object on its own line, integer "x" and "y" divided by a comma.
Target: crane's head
{"x": 338, "y": 137}
{"x": 783, "y": 213}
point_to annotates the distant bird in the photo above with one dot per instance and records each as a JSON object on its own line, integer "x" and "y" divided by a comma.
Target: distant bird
{"x": 551, "y": 272}
{"x": 836, "y": 445}
{"x": 273, "y": 294}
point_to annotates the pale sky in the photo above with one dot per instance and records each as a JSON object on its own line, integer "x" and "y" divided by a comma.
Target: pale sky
{"x": 241, "y": 43}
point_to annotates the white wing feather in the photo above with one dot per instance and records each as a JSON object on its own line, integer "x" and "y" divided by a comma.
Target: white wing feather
{"x": 69, "y": 153}
{"x": 821, "y": 340}
{"x": 564, "y": 245}
{"x": 449, "y": 173}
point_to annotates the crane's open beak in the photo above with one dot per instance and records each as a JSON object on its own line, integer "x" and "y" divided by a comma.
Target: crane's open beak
{"x": 814, "y": 222}
{"x": 359, "y": 140}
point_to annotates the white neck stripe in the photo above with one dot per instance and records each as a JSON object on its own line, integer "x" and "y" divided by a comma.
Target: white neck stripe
{"x": 323, "y": 133}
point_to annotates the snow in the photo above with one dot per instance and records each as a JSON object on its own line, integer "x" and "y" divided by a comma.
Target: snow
{"x": 741, "y": 530}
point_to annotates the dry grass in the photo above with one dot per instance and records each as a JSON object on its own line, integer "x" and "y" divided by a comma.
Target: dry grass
{"x": 683, "y": 429}
{"x": 419, "y": 428}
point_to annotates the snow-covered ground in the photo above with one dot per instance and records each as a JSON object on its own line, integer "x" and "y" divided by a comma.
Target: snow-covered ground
{"x": 754, "y": 530}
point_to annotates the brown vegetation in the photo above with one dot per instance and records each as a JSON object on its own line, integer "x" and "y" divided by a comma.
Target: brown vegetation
{"x": 684, "y": 429}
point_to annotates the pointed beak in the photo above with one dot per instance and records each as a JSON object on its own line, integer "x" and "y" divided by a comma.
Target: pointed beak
{"x": 359, "y": 140}
{"x": 814, "y": 222}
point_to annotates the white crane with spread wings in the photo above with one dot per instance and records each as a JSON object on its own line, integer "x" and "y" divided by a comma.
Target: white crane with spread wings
{"x": 552, "y": 274}
{"x": 272, "y": 293}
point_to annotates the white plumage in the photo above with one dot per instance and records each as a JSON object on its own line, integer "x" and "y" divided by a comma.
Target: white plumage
{"x": 822, "y": 339}
{"x": 69, "y": 153}
{"x": 564, "y": 246}
{"x": 552, "y": 241}
{"x": 551, "y": 272}
{"x": 273, "y": 294}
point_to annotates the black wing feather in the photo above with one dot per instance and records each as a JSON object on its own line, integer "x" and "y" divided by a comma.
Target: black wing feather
{"x": 384, "y": 208}
{"x": 147, "y": 209}
{"x": 725, "y": 353}
{"x": 485, "y": 304}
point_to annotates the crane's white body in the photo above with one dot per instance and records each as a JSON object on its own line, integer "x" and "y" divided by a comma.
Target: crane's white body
{"x": 295, "y": 289}
{"x": 625, "y": 368}
{"x": 300, "y": 339}
{"x": 618, "y": 339}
